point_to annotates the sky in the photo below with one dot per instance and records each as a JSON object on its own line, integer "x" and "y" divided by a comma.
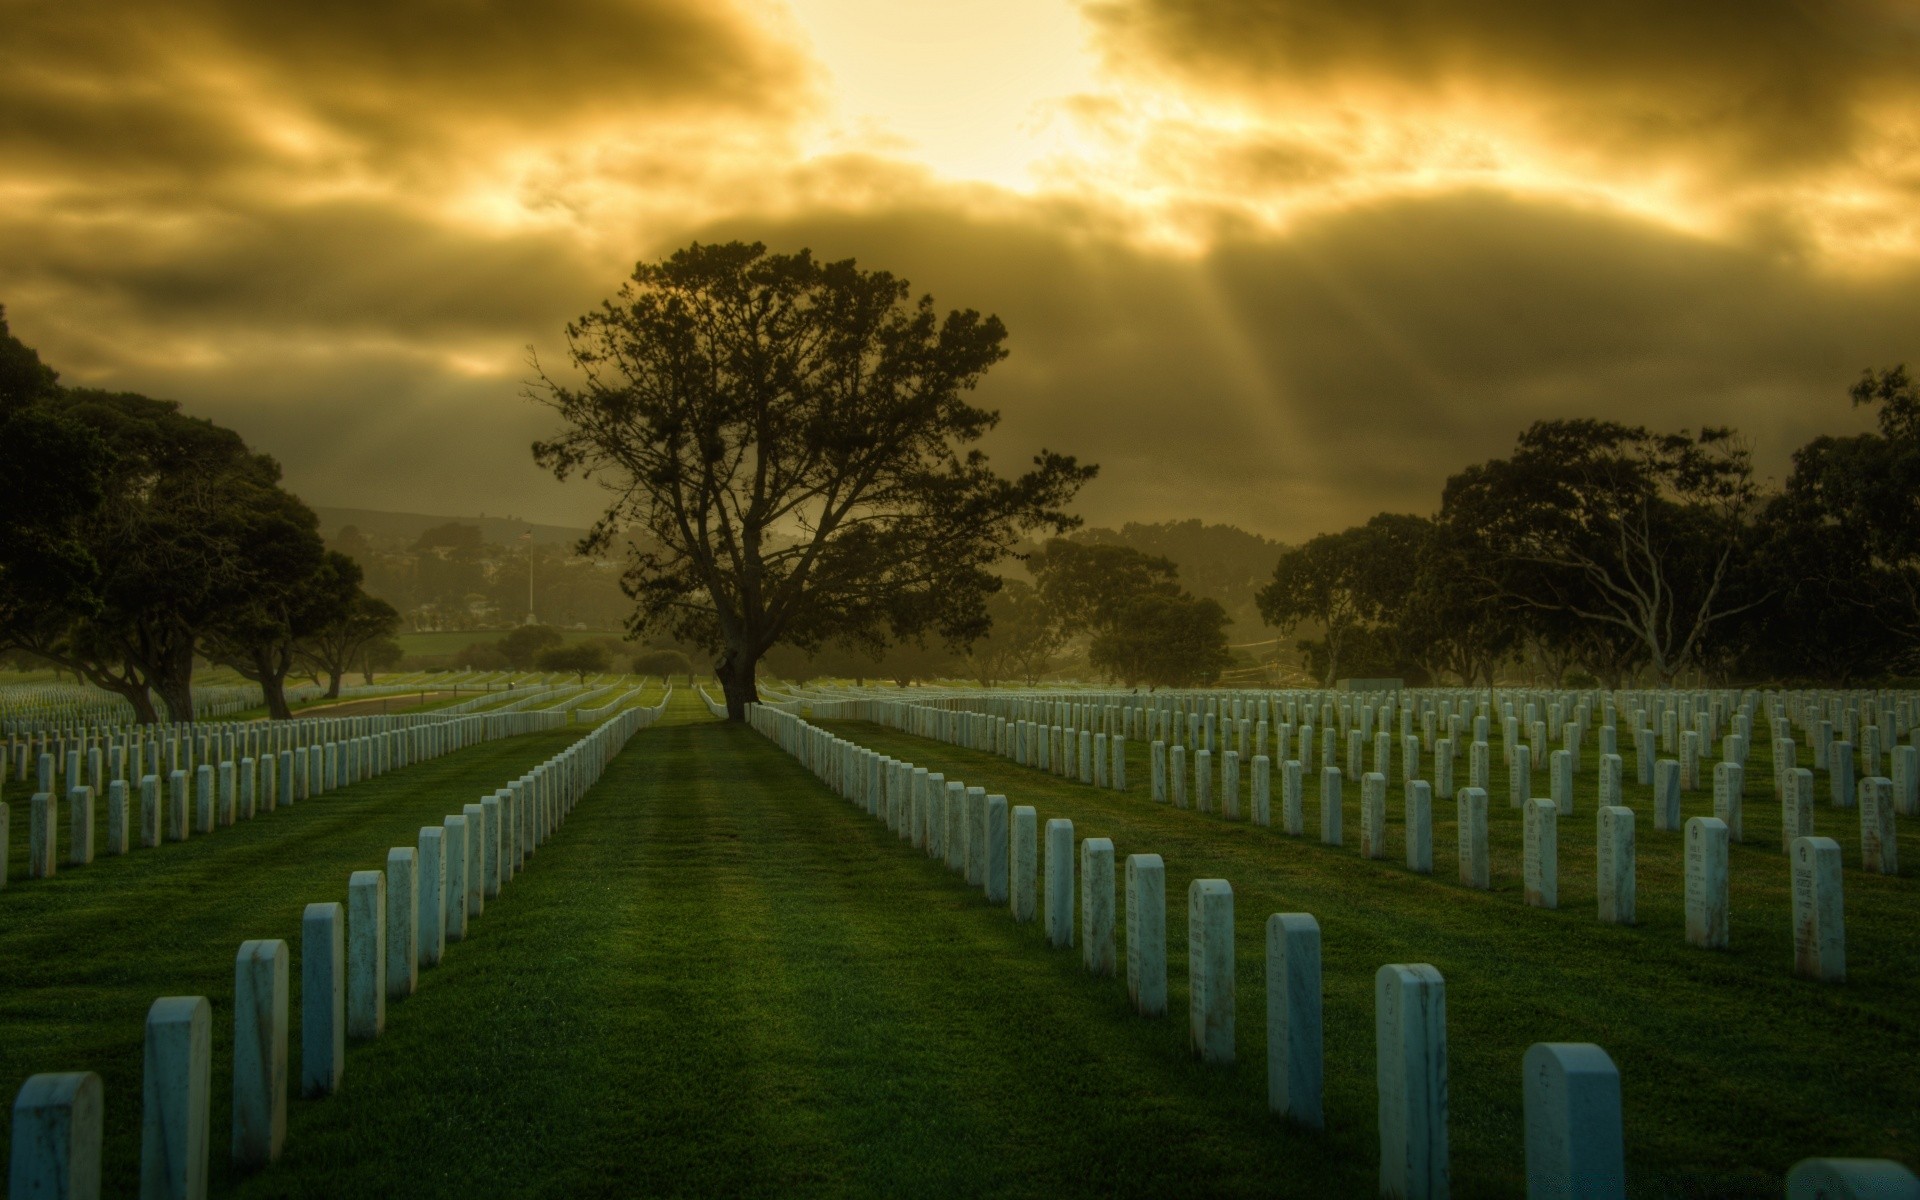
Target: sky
{"x": 1278, "y": 263}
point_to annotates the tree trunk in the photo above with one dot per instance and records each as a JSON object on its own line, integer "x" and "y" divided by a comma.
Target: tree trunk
{"x": 172, "y": 677}
{"x": 735, "y": 673}
{"x": 178, "y": 695}
{"x": 333, "y": 684}
{"x": 274, "y": 688}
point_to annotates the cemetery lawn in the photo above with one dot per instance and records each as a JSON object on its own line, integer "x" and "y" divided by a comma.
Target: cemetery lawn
{"x": 718, "y": 978}
{"x": 83, "y": 955}
{"x": 1731, "y": 1068}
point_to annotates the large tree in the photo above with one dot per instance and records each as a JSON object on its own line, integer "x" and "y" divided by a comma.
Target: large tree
{"x": 793, "y": 440}
{"x": 1356, "y": 579}
{"x": 1638, "y": 534}
{"x": 299, "y": 589}
{"x": 183, "y": 538}
{"x": 336, "y": 644}
{"x": 1164, "y": 641}
{"x": 52, "y": 470}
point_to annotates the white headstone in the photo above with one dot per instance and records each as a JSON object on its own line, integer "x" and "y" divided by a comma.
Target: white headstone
{"x": 1542, "y": 854}
{"x": 1210, "y": 969}
{"x": 1475, "y": 859}
{"x": 1615, "y": 882}
{"x": 1294, "y": 1043}
{"x": 323, "y": 998}
{"x": 1707, "y": 883}
{"x": 1575, "y": 1145}
{"x": 1096, "y": 905}
{"x": 1819, "y": 917}
{"x": 176, "y": 1088}
{"x": 1059, "y": 907}
{"x": 1410, "y": 1033}
{"x": 1147, "y": 934}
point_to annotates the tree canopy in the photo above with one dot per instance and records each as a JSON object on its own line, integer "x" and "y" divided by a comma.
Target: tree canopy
{"x": 793, "y": 440}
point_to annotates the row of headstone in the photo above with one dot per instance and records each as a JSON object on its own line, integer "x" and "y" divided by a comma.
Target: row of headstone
{"x": 1816, "y": 891}
{"x": 1574, "y": 1129}
{"x": 1077, "y": 753}
{"x": 217, "y": 797}
{"x": 355, "y": 958}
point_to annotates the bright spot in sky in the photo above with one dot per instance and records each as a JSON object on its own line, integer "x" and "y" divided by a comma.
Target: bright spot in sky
{"x": 968, "y": 88}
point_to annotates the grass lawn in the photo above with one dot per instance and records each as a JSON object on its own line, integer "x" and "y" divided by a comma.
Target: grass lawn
{"x": 1732, "y": 1069}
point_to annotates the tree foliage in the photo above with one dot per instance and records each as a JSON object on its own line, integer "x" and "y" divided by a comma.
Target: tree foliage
{"x": 582, "y": 659}
{"x": 1161, "y": 640}
{"x": 1636, "y": 533}
{"x": 524, "y": 644}
{"x": 1343, "y": 582}
{"x": 792, "y": 438}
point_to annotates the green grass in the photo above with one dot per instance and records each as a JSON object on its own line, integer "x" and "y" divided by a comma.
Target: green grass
{"x": 1732, "y": 1069}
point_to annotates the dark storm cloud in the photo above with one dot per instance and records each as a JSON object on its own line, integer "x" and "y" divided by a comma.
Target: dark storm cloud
{"x": 1303, "y": 384}
{"x": 1752, "y": 86}
{"x": 182, "y": 88}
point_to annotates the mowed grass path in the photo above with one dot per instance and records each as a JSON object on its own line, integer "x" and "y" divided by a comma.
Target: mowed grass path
{"x": 83, "y": 955}
{"x": 719, "y": 979}
{"x": 1732, "y": 1069}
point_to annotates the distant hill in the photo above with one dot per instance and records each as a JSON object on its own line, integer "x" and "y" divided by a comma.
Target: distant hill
{"x": 381, "y": 526}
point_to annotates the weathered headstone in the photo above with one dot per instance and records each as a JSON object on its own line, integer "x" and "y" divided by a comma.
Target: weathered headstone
{"x": 1203, "y": 780}
{"x": 1059, "y": 907}
{"x": 1330, "y": 803}
{"x": 1542, "y": 879}
{"x": 1520, "y": 777}
{"x": 79, "y": 826}
{"x": 1147, "y": 934}
{"x": 1157, "y": 771}
{"x": 995, "y": 850}
{"x": 1729, "y": 782}
{"x": 58, "y": 1123}
{"x": 1476, "y": 865}
{"x": 1561, "y": 772}
{"x": 1575, "y": 1146}
{"x": 43, "y": 837}
{"x": 1851, "y": 1179}
{"x": 1707, "y": 883}
{"x": 1096, "y": 905}
{"x": 1410, "y": 1033}
{"x": 1419, "y": 826}
{"x": 403, "y": 921}
{"x": 430, "y": 900}
{"x": 457, "y": 855}
{"x": 1666, "y": 795}
{"x": 1024, "y": 863}
{"x": 1210, "y": 969}
{"x": 366, "y": 954}
{"x": 1819, "y": 917}
{"x": 1294, "y": 1043}
{"x": 259, "y": 1053}
{"x": 1293, "y": 818}
{"x": 1796, "y": 806}
{"x": 1615, "y": 882}
{"x": 1879, "y": 840}
{"x": 323, "y": 998}
{"x": 1373, "y": 815}
{"x": 176, "y": 1089}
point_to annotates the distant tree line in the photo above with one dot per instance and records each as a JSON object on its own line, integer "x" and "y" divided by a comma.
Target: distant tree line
{"x": 138, "y": 539}
{"x": 1613, "y": 553}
